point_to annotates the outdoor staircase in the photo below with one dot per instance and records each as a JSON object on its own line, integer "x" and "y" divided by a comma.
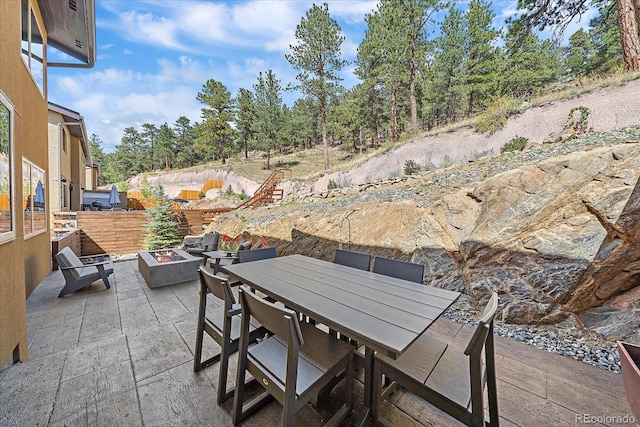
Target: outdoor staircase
{"x": 267, "y": 192}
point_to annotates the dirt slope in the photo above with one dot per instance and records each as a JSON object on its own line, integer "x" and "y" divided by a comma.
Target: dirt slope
{"x": 610, "y": 108}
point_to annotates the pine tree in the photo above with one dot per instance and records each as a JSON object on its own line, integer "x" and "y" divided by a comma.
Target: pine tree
{"x": 605, "y": 38}
{"x": 245, "y": 110}
{"x": 184, "y": 142}
{"x": 530, "y": 64}
{"x": 164, "y": 151}
{"x": 214, "y": 133}
{"x": 447, "y": 91}
{"x": 267, "y": 112}
{"x": 162, "y": 229}
{"x": 317, "y": 56}
{"x": 481, "y": 56}
{"x": 578, "y": 54}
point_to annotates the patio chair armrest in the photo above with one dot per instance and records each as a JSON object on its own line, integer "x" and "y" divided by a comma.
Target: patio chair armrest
{"x": 71, "y": 267}
{"x": 103, "y": 256}
{"x": 234, "y": 311}
{"x": 96, "y": 264}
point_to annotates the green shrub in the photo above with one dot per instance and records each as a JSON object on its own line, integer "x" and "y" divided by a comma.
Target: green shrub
{"x": 201, "y": 195}
{"x": 495, "y": 116}
{"x": 516, "y": 144}
{"x": 446, "y": 162}
{"x": 411, "y": 167}
{"x": 579, "y": 123}
{"x": 332, "y": 185}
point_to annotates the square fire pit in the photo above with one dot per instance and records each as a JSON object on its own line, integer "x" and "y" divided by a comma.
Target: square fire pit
{"x": 167, "y": 266}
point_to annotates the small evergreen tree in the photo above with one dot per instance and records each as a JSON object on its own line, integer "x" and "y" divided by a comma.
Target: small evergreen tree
{"x": 162, "y": 230}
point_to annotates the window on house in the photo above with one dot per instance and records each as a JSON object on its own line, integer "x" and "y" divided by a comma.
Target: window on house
{"x": 63, "y": 195}
{"x": 33, "y": 188}
{"x": 32, "y": 45}
{"x": 7, "y": 216}
{"x": 64, "y": 140}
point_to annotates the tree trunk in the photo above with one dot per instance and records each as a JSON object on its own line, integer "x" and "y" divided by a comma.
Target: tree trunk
{"x": 325, "y": 141}
{"x": 629, "y": 33}
{"x": 412, "y": 96}
{"x": 268, "y": 158}
{"x": 636, "y": 6}
{"x": 394, "y": 116}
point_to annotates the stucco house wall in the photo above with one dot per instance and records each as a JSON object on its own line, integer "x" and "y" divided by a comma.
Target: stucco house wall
{"x": 25, "y": 260}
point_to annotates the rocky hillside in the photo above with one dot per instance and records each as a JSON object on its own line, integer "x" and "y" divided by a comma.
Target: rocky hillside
{"x": 554, "y": 229}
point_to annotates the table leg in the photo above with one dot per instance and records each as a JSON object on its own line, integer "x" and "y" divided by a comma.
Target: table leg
{"x": 365, "y": 417}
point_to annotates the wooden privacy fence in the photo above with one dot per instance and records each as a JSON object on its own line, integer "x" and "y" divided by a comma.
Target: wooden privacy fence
{"x": 71, "y": 240}
{"x": 122, "y": 232}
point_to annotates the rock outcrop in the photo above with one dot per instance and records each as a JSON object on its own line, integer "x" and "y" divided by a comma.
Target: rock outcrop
{"x": 556, "y": 239}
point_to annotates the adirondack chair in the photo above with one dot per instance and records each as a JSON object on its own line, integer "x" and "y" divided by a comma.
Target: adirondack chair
{"x": 209, "y": 243}
{"x": 446, "y": 377}
{"x": 293, "y": 365}
{"x": 78, "y": 275}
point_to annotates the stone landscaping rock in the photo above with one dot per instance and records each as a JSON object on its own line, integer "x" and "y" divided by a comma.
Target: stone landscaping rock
{"x": 554, "y": 230}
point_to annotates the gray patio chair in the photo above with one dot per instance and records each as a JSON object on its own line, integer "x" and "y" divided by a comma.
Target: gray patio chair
{"x": 209, "y": 243}
{"x": 256, "y": 254}
{"x": 78, "y": 275}
{"x": 446, "y": 377}
{"x": 399, "y": 269}
{"x": 357, "y": 260}
{"x": 293, "y": 365}
{"x": 222, "y": 325}
{"x": 244, "y": 247}
{"x": 352, "y": 259}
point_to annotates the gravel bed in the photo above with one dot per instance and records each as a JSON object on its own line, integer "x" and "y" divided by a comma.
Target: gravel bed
{"x": 569, "y": 342}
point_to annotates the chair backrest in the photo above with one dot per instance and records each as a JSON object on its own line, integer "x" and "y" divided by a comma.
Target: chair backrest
{"x": 210, "y": 241}
{"x": 218, "y": 286}
{"x": 279, "y": 320}
{"x": 485, "y": 325}
{"x": 399, "y": 269}
{"x": 256, "y": 254}
{"x": 67, "y": 259}
{"x": 352, "y": 259}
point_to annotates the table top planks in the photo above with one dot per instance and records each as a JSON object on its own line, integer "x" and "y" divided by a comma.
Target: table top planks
{"x": 382, "y": 312}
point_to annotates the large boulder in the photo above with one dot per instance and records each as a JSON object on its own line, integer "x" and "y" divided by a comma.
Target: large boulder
{"x": 554, "y": 239}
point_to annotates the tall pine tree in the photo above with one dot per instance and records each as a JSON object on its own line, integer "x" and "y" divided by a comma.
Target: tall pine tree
{"x": 317, "y": 56}
{"x": 214, "y": 133}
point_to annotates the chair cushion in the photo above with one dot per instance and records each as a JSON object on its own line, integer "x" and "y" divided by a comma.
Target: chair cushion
{"x": 216, "y": 319}
{"x": 431, "y": 362}
{"x": 319, "y": 353}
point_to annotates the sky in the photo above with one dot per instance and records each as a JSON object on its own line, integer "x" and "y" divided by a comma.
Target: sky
{"x": 154, "y": 56}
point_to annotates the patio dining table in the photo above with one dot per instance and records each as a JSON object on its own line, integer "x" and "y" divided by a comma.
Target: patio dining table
{"x": 382, "y": 313}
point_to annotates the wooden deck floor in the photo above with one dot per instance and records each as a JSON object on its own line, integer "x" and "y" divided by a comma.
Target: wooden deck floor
{"x": 124, "y": 356}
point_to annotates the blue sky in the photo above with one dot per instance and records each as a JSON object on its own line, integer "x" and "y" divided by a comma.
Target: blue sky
{"x": 154, "y": 56}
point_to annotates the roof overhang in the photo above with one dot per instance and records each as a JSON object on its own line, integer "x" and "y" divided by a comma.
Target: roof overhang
{"x": 71, "y": 28}
{"x": 75, "y": 123}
